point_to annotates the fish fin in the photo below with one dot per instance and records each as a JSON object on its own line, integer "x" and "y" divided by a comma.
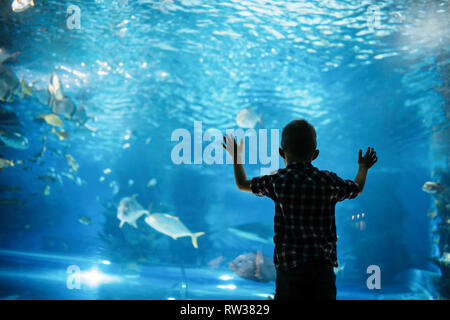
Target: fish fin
{"x": 260, "y": 121}
{"x": 121, "y": 223}
{"x": 194, "y": 238}
{"x": 146, "y": 212}
{"x": 134, "y": 224}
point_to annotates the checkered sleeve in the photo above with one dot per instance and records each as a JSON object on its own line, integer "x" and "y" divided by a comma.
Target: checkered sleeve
{"x": 346, "y": 189}
{"x": 263, "y": 186}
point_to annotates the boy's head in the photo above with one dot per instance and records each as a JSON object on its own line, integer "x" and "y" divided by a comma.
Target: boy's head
{"x": 298, "y": 142}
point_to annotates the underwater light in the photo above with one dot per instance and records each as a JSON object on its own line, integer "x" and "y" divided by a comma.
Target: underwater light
{"x": 170, "y": 298}
{"x": 225, "y": 277}
{"x": 106, "y": 262}
{"x": 94, "y": 277}
{"x": 228, "y": 286}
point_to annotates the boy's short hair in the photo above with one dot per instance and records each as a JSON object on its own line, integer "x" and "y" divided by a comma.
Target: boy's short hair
{"x": 299, "y": 138}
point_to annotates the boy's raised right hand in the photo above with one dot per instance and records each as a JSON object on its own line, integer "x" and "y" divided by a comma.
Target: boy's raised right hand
{"x": 369, "y": 159}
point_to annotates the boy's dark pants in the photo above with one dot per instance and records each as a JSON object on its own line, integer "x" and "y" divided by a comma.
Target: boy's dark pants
{"x": 309, "y": 281}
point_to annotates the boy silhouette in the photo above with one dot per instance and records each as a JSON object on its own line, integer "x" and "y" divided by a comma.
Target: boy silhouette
{"x": 304, "y": 224}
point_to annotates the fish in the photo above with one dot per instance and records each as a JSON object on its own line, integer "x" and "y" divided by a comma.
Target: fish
{"x": 61, "y": 134}
{"x": 25, "y": 88}
{"x": 11, "y": 297}
{"x": 60, "y": 103}
{"x": 419, "y": 281}
{"x": 129, "y": 211}
{"x": 107, "y": 171}
{"x": 6, "y": 163}
{"x": 445, "y": 259}
{"x": 11, "y": 202}
{"x": 151, "y": 183}
{"x": 214, "y": 263}
{"x": 51, "y": 119}
{"x": 13, "y": 139}
{"x": 247, "y": 118}
{"x": 68, "y": 175}
{"x": 432, "y": 214}
{"x": 46, "y": 190}
{"x": 64, "y": 107}
{"x": 115, "y": 187}
{"x": 9, "y": 85}
{"x": 338, "y": 270}
{"x": 9, "y": 118}
{"x": 71, "y": 161}
{"x": 258, "y": 232}
{"x": 171, "y": 226}
{"x": 6, "y": 188}
{"x": 254, "y": 266}
{"x": 54, "y": 87}
{"x": 41, "y": 153}
{"x": 79, "y": 182}
{"x": 21, "y": 5}
{"x": 85, "y": 220}
{"x": 5, "y": 56}
{"x": 432, "y": 187}
{"x": 49, "y": 178}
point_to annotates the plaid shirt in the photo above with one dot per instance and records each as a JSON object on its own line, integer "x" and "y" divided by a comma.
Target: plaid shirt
{"x": 305, "y": 198}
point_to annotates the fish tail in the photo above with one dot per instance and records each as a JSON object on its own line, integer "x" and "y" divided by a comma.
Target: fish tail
{"x": 194, "y": 238}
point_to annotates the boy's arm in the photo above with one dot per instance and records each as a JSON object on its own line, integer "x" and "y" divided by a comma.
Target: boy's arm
{"x": 235, "y": 151}
{"x": 365, "y": 163}
{"x": 241, "y": 180}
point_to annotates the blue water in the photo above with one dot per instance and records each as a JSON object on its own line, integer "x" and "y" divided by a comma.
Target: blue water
{"x": 143, "y": 69}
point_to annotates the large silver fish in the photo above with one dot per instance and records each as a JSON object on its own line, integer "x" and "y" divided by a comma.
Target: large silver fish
{"x": 13, "y": 139}
{"x": 258, "y": 232}
{"x": 171, "y": 226}
{"x": 247, "y": 118}
{"x": 129, "y": 211}
{"x": 254, "y": 266}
